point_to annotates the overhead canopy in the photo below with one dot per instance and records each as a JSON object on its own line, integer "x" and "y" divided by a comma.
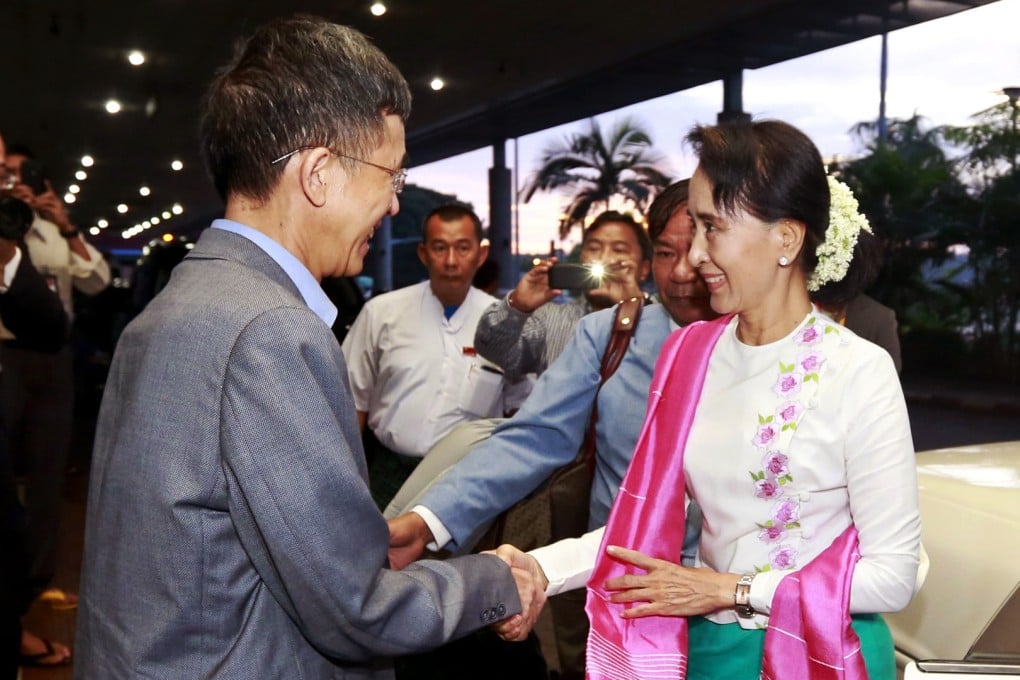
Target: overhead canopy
{"x": 510, "y": 69}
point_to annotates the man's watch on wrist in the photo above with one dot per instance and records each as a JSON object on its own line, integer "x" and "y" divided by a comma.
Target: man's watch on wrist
{"x": 742, "y": 597}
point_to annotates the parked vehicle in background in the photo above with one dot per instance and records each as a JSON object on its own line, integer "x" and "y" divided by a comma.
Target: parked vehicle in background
{"x": 965, "y": 622}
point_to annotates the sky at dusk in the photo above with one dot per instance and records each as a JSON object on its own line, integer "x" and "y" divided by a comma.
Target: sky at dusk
{"x": 945, "y": 70}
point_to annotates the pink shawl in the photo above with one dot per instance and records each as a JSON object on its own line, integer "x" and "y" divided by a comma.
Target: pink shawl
{"x": 652, "y": 496}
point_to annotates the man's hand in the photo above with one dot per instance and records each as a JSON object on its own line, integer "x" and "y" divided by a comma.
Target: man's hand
{"x": 51, "y": 207}
{"x": 408, "y": 537}
{"x": 619, "y": 282}
{"x": 533, "y": 289}
{"x": 531, "y": 585}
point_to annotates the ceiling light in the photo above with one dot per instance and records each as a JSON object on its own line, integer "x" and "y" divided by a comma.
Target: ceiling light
{"x": 74, "y": 188}
{"x": 103, "y": 224}
{"x": 166, "y": 214}
{"x": 81, "y": 175}
{"x": 136, "y": 58}
{"x": 87, "y": 161}
{"x": 176, "y": 165}
{"x": 144, "y": 191}
{"x": 177, "y": 209}
{"x": 437, "y": 84}
{"x": 112, "y": 106}
{"x": 122, "y": 208}
{"x": 94, "y": 231}
{"x": 155, "y": 220}
{"x": 377, "y": 9}
{"x": 167, "y": 238}
{"x": 69, "y": 197}
{"x": 146, "y": 224}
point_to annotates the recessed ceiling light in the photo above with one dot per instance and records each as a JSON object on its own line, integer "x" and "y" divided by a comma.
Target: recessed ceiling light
{"x": 103, "y": 224}
{"x": 176, "y": 165}
{"x": 155, "y": 220}
{"x": 81, "y": 175}
{"x": 122, "y": 208}
{"x": 74, "y": 188}
{"x": 112, "y": 106}
{"x": 177, "y": 209}
{"x": 437, "y": 84}
{"x": 94, "y": 231}
{"x": 378, "y": 9}
{"x": 144, "y": 191}
{"x": 87, "y": 161}
{"x": 69, "y": 198}
{"x": 166, "y": 214}
{"x": 136, "y": 58}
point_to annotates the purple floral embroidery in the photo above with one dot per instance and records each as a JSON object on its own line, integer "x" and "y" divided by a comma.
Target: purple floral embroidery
{"x": 775, "y": 464}
{"x": 765, "y": 435}
{"x": 766, "y": 488}
{"x": 783, "y": 557}
{"x": 810, "y": 362}
{"x": 788, "y": 384}
{"x": 790, "y": 411}
{"x": 786, "y": 511}
{"x": 810, "y": 335}
{"x": 771, "y": 534}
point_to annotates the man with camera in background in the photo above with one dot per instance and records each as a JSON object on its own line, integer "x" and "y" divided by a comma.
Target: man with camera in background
{"x": 523, "y": 334}
{"x": 29, "y": 308}
{"x": 38, "y": 387}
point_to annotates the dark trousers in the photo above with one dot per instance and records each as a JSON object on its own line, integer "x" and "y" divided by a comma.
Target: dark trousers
{"x": 387, "y": 470}
{"x": 14, "y": 590}
{"x": 37, "y": 398}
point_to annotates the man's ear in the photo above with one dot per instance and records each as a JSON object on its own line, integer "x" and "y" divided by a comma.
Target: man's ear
{"x": 483, "y": 254}
{"x": 421, "y": 254}
{"x": 314, "y": 177}
{"x": 644, "y": 269}
{"x": 790, "y": 236}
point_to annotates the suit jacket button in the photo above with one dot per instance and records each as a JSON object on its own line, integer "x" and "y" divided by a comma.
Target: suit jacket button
{"x": 501, "y": 611}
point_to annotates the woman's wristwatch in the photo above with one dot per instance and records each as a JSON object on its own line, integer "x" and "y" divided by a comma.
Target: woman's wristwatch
{"x": 742, "y": 597}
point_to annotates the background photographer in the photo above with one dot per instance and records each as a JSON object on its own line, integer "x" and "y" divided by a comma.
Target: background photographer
{"x": 31, "y": 309}
{"x": 38, "y": 387}
{"x": 523, "y": 334}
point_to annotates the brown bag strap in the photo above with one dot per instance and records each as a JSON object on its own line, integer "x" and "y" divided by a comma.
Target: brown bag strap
{"x": 628, "y": 313}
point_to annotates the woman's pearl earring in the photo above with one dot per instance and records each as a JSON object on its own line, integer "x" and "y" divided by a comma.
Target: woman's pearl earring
{"x": 783, "y": 261}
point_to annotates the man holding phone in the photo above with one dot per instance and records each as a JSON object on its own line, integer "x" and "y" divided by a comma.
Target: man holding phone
{"x": 38, "y": 388}
{"x": 524, "y": 334}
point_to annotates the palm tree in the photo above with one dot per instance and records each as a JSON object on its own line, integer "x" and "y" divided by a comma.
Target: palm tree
{"x": 593, "y": 169}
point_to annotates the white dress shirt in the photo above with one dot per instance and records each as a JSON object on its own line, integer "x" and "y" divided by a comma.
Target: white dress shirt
{"x": 416, "y": 373}
{"x": 850, "y": 458}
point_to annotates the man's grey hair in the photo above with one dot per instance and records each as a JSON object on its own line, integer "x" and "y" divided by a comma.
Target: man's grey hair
{"x": 299, "y": 81}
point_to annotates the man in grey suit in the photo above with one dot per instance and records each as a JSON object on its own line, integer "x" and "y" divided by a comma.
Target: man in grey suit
{"x": 230, "y": 532}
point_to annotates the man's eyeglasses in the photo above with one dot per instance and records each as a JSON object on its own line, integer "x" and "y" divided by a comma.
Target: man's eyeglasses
{"x": 398, "y": 177}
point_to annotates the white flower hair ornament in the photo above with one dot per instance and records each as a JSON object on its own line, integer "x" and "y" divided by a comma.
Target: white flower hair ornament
{"x": 845, "y": 224}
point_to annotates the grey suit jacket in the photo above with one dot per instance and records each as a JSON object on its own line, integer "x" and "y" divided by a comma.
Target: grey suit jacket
{"x": 230, "y": 532}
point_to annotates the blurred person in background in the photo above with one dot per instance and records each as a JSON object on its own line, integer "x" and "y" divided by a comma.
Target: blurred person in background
{"x": 38, "y": 387}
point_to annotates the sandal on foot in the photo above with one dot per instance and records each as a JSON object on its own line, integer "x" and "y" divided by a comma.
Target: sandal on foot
{"x": 40, "y": 660}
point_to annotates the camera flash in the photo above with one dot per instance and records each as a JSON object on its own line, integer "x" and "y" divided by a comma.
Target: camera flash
{"x": 598, "y": 270}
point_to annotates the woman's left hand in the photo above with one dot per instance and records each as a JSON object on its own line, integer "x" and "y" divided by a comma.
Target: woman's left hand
{"x": 669, "y": 589}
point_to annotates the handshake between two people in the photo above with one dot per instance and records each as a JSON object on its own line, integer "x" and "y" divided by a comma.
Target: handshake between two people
{"x": 408, "y": 537}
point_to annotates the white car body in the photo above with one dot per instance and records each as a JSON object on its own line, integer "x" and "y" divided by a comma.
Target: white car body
{"x": 967, "y": 613}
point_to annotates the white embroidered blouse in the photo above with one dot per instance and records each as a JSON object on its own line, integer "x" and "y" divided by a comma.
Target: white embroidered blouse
{"x": 791, "y": 442}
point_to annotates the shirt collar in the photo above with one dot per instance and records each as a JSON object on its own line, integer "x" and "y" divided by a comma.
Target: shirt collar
{"x": 306, "y": 284}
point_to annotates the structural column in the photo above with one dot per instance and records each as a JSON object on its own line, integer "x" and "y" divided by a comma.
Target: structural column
{"x": 381, "y": 256}
{"x": 500, "y": 216}
{"x": 733, "y": 99}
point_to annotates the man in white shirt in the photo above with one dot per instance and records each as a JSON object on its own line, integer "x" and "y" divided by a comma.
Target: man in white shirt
{"x": 38, "y": 387}
{"x": 411, "y": 359}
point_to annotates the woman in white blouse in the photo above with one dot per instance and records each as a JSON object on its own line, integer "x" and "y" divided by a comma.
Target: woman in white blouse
{"x": 796, "y": 446}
